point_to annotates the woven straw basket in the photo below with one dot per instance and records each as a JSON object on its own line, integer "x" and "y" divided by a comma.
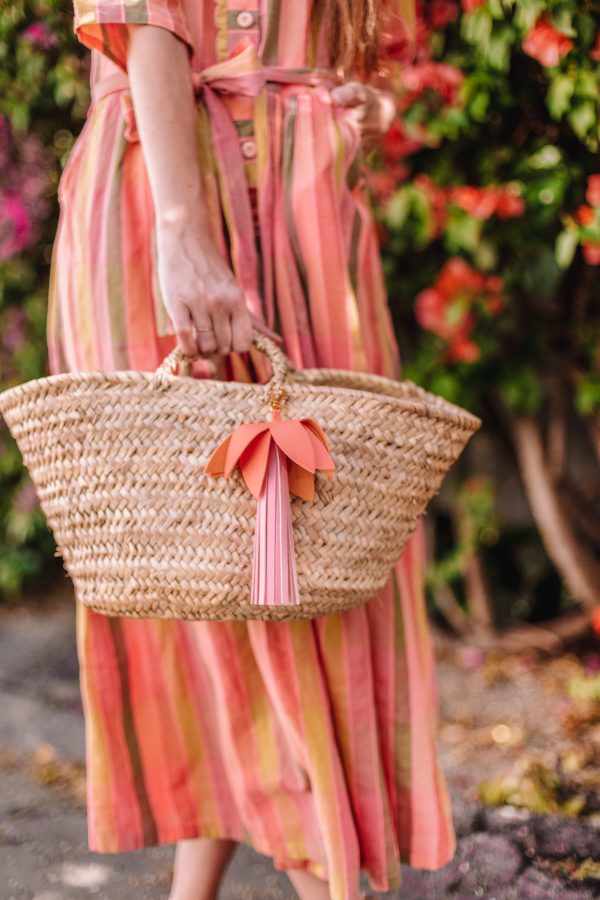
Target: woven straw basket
{"x": 117, "y": 459}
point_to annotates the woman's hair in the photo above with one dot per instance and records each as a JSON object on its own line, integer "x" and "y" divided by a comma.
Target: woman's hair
{"x": 353, "y": 31}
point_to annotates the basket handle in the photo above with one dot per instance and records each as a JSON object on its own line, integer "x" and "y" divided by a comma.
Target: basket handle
{"x": 281, "y": 367}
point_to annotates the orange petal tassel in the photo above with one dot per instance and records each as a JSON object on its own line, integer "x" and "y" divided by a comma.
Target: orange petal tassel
{"x": 275, "y": 458}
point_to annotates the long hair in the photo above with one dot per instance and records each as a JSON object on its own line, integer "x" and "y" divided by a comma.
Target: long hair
{"x": 353, "y": 31}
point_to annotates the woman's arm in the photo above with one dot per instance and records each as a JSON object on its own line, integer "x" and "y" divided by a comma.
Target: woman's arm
{"x": 197, "y": 285}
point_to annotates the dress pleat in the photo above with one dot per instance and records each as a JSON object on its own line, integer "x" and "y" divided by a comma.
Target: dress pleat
{"x": 315, "y": 741}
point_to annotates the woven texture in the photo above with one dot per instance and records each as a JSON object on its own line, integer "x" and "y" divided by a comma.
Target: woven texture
{"x": 117, "y": 460}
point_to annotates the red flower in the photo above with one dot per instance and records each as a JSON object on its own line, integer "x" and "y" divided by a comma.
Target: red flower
{"x": 448, "y": 307}
{"x": 442, "y": 12}
{"x": 481, "y": 203}
{"x": 396, "y": 143}
{"x": 545, "y": 43}
{"x": 383, "y": 182}
{"x": 457, "y": 275}
{"x": 595, "y": 51}
{"x": 478, "y": 202}
{"x": 585, "y": 215}
{"x": 509, "y": 203}
{"x": 591, "y": 252}
{"x": 471, "y": 5}
{"x": 463, "y": 349}
{"x": 442, "y": 78}
{"x": 596, "y": 620}
{"x": 593, "y": 190}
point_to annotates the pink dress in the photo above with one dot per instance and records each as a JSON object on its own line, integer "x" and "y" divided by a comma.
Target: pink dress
{"x": 312, "y": 740}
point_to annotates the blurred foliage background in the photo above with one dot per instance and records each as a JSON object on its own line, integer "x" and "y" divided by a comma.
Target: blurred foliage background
{"x": 487, "y": 196}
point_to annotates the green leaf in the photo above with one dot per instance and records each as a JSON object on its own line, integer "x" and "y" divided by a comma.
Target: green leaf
{"x": 499, "y": 47}
{"x": 547, "y": 157}
{"x": 397, "y": 209}
{"x": 476, "y": 28}
{"x": 522, "y": 391}
{"x": 583, "y": 118}
{"x": 562, "y": 18}
{"x": 565, "y": 247}
{"x": 559, "y": 95}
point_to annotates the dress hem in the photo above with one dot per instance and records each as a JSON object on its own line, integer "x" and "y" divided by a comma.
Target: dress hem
{"x": 281, "y": 860}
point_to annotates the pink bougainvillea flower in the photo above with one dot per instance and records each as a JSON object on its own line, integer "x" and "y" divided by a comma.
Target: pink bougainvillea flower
{"x": 585, "y": 215}
{"x": 592, "y": 194}
{"x": 15, "y": 226}
{"x": 470, "y": 6}
{"x": 591, "y": 252}
{"x": 40, "y": 35}
{"x": 14, "y": 328}
{"x": 545, "y": 43}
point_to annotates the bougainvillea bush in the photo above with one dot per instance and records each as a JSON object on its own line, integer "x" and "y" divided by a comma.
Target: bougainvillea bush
{"x": 43, "y": 97}
{"x": 487, "y": 193}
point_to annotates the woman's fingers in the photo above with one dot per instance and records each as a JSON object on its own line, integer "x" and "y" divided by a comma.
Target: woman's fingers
{"x": 205, "y": 339}
{"x": 222, "y": 330}
{"x": 241, "y": 330}
{"x": 183, "y": 325}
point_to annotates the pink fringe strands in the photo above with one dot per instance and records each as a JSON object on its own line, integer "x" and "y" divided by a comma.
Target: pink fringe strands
{"x": 274, "y": 576}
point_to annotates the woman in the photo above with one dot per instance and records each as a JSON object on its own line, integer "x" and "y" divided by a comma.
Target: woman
{"x": 216, "y": 185}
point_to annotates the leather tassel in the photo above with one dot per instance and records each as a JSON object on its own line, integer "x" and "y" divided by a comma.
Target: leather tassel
{"x": 274, "y": 576}
{"x": 276, "y": 459}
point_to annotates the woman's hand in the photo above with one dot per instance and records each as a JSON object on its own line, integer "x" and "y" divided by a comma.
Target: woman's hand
{"x": 374, "y": 109}
{"x": 205, "y": 303}
{"x": 201, "y": 294}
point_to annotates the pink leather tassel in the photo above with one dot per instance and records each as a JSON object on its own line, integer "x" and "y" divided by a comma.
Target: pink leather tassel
{"x": 274, "y": 576}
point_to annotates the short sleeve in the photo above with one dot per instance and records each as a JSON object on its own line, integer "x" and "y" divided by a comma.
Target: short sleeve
{"x": 99, "y": 23}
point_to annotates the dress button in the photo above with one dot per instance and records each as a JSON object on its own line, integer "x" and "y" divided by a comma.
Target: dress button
{"x": 249, "y": 149}
{"x": 245, "y": 19}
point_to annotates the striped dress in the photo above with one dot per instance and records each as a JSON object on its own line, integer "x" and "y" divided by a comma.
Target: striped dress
{"x": 312, "y": 740}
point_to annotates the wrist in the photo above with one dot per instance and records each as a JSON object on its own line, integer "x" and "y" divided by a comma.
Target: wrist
{"x": 177, "y": 220}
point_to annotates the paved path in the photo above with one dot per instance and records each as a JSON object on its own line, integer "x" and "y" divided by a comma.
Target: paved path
{"x": 504, "y": 853}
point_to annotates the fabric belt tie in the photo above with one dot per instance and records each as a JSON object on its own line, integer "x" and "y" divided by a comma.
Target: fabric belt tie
{"x": 241, "y": 74}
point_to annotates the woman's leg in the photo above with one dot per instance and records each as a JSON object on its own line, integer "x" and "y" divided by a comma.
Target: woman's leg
{"x": 307, "y": 885}
{"x": 199, "y": 867}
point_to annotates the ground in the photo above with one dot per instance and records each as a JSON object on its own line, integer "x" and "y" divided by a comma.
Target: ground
{"x": 499, "y": 718}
